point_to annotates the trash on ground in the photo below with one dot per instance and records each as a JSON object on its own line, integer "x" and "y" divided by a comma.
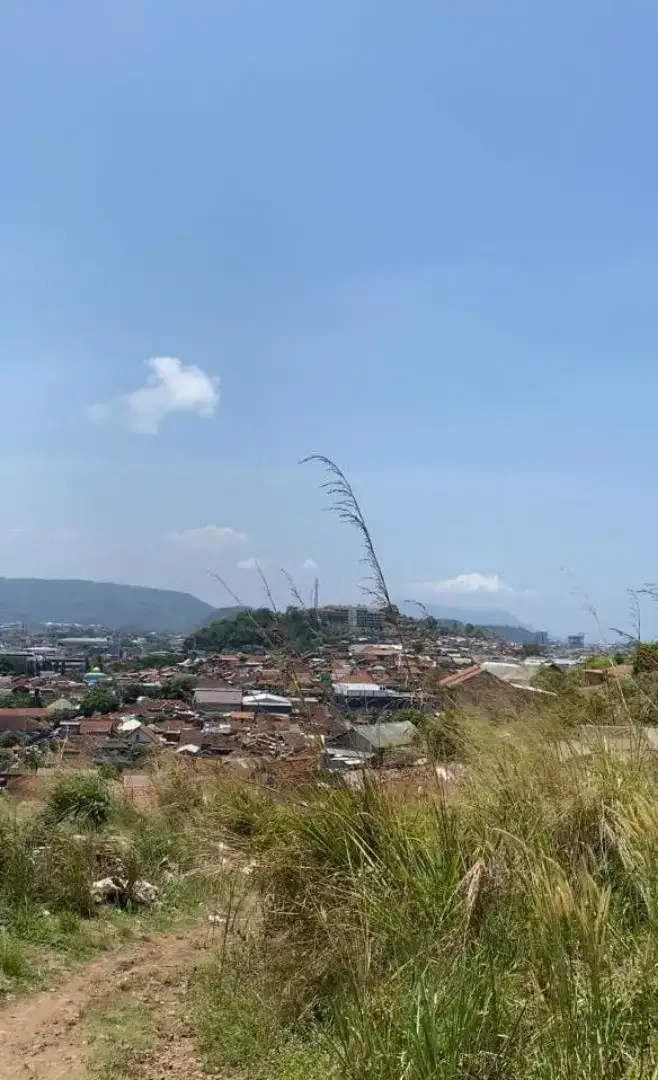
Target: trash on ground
{"x": 116, "y": 890}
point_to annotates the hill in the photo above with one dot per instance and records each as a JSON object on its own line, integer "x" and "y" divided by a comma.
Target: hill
{"x": 513, "y": 635}
{"x": 94, "y": 603}
{"x": 465, "y": 613}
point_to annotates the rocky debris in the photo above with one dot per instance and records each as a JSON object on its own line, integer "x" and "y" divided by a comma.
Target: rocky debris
{"x": 120, "y": 891}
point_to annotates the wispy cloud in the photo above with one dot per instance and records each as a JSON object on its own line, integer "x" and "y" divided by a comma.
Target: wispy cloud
{"x": 249, "y": 564}
{"x": 467, "y": 584}
{"x": 309, "y": 564}
{"x": 171, "y": 387}
{"x": 208, "y": 538}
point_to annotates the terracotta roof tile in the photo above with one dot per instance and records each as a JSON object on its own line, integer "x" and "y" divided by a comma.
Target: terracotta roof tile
{"x": 460, "y": 677}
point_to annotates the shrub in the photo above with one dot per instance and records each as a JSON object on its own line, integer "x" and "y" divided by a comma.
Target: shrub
{"x": 109, "y": 772}
{"x": 13, "y": 961}
{"x": 178, "y": 789}
{"x": 81, "y": 797}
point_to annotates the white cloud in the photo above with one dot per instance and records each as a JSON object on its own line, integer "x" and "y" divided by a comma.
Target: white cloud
{"x": 208, "y": 538}
{"x": 249, "y": 564}
{"x": 171, "y": 387}
{"x": 309, "y": 564}
{"x": 465, "y": 584}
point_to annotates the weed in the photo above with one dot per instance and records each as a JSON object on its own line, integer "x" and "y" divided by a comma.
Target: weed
{"x": 119, "y": 1038}
{"x": 83, "y": 798}
{"x": 510, "y": 934}
{"x": 14, "y": 965}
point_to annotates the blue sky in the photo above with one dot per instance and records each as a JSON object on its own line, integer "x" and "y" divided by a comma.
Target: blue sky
{"x": 422, "y": 240}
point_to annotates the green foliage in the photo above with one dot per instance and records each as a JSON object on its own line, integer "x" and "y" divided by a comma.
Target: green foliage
{"x": 19, "y": 699}
{"x": 13, "y": 738}
{"x": 14, "y": 965}
{"x": 7, "y": 758}
{"x": 33, "y": 757}
{"x": 244, "y": 1024}
{"x": 119, "y": 1037}
{"x": 13, "y": 665}
{"x": 510, "y": 932}
{"x": 646, "y": 657}
{"x": 442, "y": 735}
{"x": 180, "y": 689}
{"x": 80, "y": 797}
{"x": 260, "y": 628}
{"x": 599, "y": 662}
{"x": 99, "y": 700}
{"x": 109, "y": 772}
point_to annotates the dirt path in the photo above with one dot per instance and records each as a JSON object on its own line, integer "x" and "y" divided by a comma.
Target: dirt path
{"x": 46, "y": 1037}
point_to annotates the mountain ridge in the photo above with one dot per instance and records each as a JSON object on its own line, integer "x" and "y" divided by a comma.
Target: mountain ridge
{"x": 131, "y": 608}
{"x": 466, "y": 613}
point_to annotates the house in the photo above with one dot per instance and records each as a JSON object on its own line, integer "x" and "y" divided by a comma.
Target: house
{"x": 371, "y": 739}
{"x": 27, "y": 720}
{"x": 61, "y": 705}
{"x": 132, "y": 731}
{"x": 368, "y": 695}
{"x": 208, "y": 743}
{"x": 170, "y": 730}
{"x": 218, "y": 699}
{"x": 613, "y": 674}
{"x": 262, "y": 701}
{"x": 471, "y": 685}
{"x": 69, "y": 729}
{"x": 97, "y": 729}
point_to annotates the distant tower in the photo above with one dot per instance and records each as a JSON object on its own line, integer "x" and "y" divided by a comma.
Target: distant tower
{"x": 316, "y": 594}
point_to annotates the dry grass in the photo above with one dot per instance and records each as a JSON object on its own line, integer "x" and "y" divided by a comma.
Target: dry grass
{"x": 510, "y": 933}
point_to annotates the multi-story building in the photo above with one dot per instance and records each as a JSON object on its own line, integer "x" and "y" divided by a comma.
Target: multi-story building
{"x": 354, "y": 619}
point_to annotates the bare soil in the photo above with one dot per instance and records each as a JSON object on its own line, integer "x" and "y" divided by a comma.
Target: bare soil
{"x": 46, "y": 1037}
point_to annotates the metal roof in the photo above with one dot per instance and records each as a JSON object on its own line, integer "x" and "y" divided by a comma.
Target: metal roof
{"x": 384, "y": 736}
{"x": 218, "y": 697}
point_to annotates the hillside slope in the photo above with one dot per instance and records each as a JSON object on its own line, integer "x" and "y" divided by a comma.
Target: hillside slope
{"x": 89, "y": 603}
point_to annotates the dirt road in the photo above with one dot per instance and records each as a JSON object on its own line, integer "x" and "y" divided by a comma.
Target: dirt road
{"x": 46, "y": 1037}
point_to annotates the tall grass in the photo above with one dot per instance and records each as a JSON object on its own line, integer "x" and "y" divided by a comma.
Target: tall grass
{"x": 508, "y": 932}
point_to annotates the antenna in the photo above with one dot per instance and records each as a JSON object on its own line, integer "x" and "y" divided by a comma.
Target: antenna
{"x": 316, "y": 593}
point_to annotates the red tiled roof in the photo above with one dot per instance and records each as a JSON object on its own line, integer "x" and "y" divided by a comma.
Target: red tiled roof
{"x": 24, "y": 714}
{"x": 11, "y": 722}
{"x": 162, "y": 704}
{"x": 96, "y": 727}
{"x": 460, "y": 677}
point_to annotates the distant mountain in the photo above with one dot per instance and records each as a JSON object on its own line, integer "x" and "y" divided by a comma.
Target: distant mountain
{"x": 131, "y": 608}
{"x": 466, "y": 614}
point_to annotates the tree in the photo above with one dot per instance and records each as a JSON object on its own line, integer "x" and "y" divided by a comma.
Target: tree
{"x": 12, "y": 738}
{"x": 180, "y": 689}
{"x": 7, "y": 759}
{"x": 12, "y": 665}
{"x": 100, "y": 700}
{"x": 131, "y": 693}
{"x": 33, "y": 757}
{"x": 532, "y": 649}
{"x": 262, "y": 628}
{"x": 19, "y": 700}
